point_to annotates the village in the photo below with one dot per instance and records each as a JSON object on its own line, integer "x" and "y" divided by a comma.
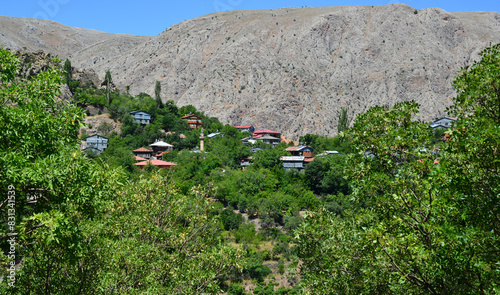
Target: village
{"x": 299, "y": 155}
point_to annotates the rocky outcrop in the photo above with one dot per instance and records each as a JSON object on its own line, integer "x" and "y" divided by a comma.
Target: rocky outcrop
{"x": 292, "y": 69}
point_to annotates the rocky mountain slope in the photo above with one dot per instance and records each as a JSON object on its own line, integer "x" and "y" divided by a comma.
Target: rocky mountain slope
{"x": 84, "y": 47}
{"x": 292, "y": 69}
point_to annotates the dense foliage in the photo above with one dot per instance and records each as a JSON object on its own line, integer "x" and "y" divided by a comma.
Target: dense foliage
{"x": 427, "y": 219}
{"x": 398, "y": 211}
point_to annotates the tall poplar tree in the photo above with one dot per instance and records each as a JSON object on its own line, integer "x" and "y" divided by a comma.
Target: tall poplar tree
{"x": 107, "y": 81}
{"x": 159, "y": 103}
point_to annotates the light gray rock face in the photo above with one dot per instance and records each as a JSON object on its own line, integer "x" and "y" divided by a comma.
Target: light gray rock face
{"x": 292, "y": 69}
{"x": 83, "y": 47}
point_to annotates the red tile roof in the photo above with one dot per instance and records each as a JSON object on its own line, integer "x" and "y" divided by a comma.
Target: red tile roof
{"x": 142, "y": 150}
{"x": 263, "y": 131}
{"x": 243, "y": 127}
{"x": 139, "y": 158}
{"x": 156, "y": 163}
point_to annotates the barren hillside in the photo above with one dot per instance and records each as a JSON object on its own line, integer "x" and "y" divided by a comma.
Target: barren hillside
{"x": 292, "y": 69}
{"x": 84, "y": 47}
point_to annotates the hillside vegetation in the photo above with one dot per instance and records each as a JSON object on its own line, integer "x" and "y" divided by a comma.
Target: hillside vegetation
{"x": 401, "y": 210}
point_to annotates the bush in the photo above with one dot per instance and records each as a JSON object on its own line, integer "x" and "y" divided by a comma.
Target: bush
{"x": 235, "y": 289}
{"x": 231, "y": 220}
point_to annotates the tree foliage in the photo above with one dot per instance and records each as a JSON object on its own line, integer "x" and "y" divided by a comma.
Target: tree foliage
{"x": 86, "y": 229}
{"x": 424, "y": 225}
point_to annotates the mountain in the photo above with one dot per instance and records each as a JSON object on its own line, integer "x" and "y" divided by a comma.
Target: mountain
{"x": 292, "y": 69}
{"x": 84, "y": 47}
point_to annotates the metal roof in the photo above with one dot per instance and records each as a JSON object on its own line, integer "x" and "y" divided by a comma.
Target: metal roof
{"x": 160, "y": 143}
{"x": 292, "y": 158}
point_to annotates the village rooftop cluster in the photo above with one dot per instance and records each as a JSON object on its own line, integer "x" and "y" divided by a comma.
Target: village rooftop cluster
{"x": 299, "y": 156}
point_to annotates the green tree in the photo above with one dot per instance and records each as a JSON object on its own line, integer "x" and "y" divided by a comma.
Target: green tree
{"x": 108, "y": 81}
{"x": 424, "y": 225}
{"x": 343, "y": 122}
{"x": 159, "y": 103}
{"x": 41, "y": 163}
{"x": 68, "y": 71}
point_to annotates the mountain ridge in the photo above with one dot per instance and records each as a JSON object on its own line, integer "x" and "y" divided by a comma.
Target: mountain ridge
{"x": 292, "y": 69}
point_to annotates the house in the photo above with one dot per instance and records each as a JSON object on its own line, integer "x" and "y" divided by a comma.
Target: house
{"x": 305, "y": 151}
{"x": 97, "y": 141}
{"x": 158, "y": 163}
{"x": 293, "y": 162}
{"x": 444, "y": 122}
{"x": 247, "y": 128}
{"x": 160, "y": 147}
{"x": 268, "y": 139}
{"x": 300, "y": 157}
{"x": 193, "y": 121}
{"x": 262, "y": 132}
{"x": 141, "y": 117}
{"x": 248, "y": 140}
{"x": 143, "y": 153}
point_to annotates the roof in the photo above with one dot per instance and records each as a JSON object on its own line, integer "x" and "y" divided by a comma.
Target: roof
{"x": 155, "y": 163}
{"x": 307, "y": 160}
{"x": 213, "y": 134}
{"x": 182, "y": 136}
{"x": 160, "y": 143}
{"x": 263, "y": 131}
{"x": 135, "y": 112}
{"x": 297, "y": 148}
{"x": 243, "y": 127}
{"x": 96, "y": 135}
{"x": 190, "y": 116}
{"x": 292, "y": 158}
{"x": 139, "y": 158}
{"x": 331, "y": 152}
{"x": 142, "y": 150}
{"x": 267, "y": 136}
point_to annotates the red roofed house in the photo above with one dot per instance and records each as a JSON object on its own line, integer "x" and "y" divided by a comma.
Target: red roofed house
{"x": 143, "y": 153}
{"x": 193, "y": 121}
{"x": 267, "y": 136}
{"x": 157, "y": 163}
{"x": 262, "y": 132}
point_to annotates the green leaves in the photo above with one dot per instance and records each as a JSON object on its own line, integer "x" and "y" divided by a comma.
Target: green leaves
{"x": 426, "y": 225}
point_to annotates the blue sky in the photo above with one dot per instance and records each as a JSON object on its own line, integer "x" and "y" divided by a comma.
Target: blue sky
{"x": 154, "y": 16}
